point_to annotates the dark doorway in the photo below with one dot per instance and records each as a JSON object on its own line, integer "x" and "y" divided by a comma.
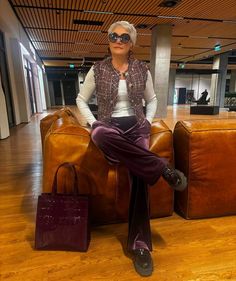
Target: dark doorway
{"x": 57, "y": 92}
{"x": 69, "y": 92}
{"x": 182, "y": 96}
{"x": 64, "y": 85}
{"x": 5, "y": 82}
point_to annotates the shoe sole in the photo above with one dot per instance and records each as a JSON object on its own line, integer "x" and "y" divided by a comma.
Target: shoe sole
{"x": 144, "y": 272}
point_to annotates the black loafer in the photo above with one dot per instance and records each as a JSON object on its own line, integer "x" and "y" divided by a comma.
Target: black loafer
{"x": 175, "y": 178}
{"x": 143, "y": 262}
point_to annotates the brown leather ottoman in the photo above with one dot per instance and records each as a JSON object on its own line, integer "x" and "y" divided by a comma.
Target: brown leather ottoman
{"x": 205, "y": 150}
{"x": 64, "y": 140}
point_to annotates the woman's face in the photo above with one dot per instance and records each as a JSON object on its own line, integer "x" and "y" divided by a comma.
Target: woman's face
{"x": 119, "y": 48}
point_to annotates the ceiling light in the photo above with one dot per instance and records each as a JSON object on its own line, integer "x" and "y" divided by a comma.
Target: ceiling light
{"x": 84, "y": 43}
{"x": 89, "y": 31}
{"x": 98, "y": 12}
{"x": 229, "y": 21}
{"x": 198, "y": 37}
{"x": 88, "y": 22}
{"x": 170, "y": 17}
{"x": 169, "y": 3}
{"x": 142, "y": 26}
{"x": 144, "y": 34}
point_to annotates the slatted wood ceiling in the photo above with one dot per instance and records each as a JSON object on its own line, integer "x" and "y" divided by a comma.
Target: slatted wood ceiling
{"x": 49, "y": 25}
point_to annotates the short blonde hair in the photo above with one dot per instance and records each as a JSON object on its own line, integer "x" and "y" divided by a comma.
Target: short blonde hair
{"x": 128, "y": 26}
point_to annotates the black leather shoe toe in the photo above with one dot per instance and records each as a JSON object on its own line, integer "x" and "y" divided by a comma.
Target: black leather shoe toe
{"x": 143, "y": 262}
{"x": 175, "y": 178}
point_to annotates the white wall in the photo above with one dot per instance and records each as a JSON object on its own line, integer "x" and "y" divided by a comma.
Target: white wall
{"x": 195, "y": 82}
{"x": 14, "y": 34}
{"x": 42, "y": 88}
{"x": 23, "y": 105}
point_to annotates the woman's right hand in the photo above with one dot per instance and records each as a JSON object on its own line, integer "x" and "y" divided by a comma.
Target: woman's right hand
{"x": 96, "y": 124}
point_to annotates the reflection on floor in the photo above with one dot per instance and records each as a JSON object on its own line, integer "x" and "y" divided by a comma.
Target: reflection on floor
{"x": 194, "y": 250}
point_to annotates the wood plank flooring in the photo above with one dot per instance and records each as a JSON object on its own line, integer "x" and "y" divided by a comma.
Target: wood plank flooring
{"x": 195, "y": 250}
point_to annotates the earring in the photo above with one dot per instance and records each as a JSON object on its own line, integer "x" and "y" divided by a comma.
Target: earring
{"x": 131, "y": 54}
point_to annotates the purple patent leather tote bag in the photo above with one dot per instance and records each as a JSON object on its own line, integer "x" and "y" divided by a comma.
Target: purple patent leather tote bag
{"x": 62, "y": 220}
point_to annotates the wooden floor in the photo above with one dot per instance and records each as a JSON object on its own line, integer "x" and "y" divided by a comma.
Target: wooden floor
{"x": 196, "y": 250}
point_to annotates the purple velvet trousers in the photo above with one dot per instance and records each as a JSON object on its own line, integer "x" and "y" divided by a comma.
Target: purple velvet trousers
{"x": 125, "y": 141}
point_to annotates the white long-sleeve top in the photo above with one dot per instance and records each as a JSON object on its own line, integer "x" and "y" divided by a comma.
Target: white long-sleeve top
{"x": 123, "y": 106}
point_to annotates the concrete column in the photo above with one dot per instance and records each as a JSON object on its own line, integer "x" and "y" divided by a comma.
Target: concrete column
{"x": 218, "y": 80}
{"x": 51, "y": 93}
{"x": 232, "y": 83}
{"x": 160, "y": 65}
{"x": 12, "y": 79}
{"x": 46, "y": 90}
{"x": 172, "y": 75}
{"x": 62, "y": 93}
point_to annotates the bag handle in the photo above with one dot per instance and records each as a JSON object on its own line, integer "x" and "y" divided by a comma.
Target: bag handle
{"x": 72, "y": 167}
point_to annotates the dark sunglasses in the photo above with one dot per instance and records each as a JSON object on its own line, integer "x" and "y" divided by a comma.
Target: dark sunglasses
{"x": 124, "y": 38}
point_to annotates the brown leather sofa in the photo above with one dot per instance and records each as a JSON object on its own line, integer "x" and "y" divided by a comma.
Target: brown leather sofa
{"x": 205, "y": 150}
{"x": 65, "y": 140}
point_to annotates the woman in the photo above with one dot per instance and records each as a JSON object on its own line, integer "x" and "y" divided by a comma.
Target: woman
{"x": 122, "y": 131}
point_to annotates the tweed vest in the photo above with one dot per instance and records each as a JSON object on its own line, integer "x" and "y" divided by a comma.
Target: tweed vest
{"x": 107, "y": 83}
